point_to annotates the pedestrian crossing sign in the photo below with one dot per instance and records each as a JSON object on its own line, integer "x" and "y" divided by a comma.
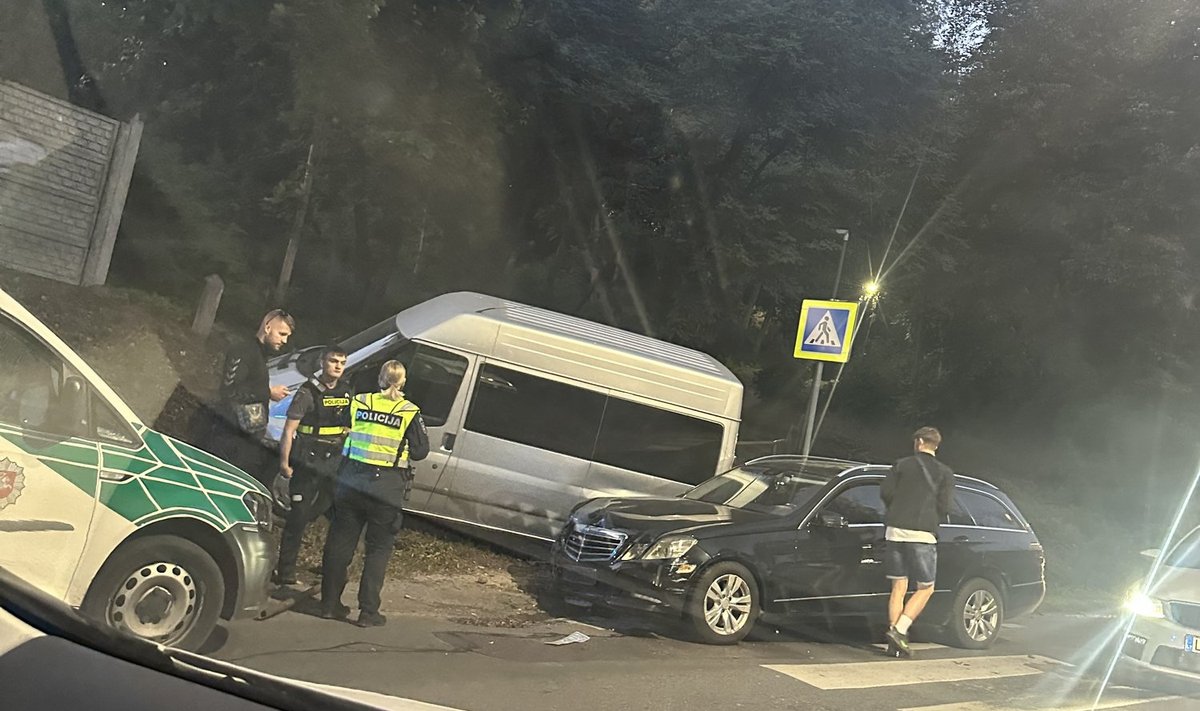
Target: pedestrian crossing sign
{"x": 826, "y": 330}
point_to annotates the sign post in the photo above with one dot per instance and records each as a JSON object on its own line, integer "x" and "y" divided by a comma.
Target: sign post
{"x": 825, "y": 333}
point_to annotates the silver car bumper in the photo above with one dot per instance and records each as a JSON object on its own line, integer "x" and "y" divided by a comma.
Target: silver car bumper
{"x": 255, "y": 559}
{"x": 1153, "y": 655}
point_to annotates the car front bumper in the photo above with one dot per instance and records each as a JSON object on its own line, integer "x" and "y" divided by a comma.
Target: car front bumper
{"x": 646, "y": 585}
{"x": 1153, "y": 655}
{"x": 254, "y": 557}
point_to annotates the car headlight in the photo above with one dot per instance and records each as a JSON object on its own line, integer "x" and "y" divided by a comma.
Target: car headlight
{"x": 259, "y": 507}
{"x": 1142, "y": 605}
{"x": 669, "y": 548}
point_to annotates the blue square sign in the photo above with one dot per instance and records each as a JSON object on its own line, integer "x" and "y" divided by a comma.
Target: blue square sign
{"x": 826, "y": 330}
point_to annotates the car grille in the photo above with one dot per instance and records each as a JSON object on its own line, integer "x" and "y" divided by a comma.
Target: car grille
{"x": 590, "y": 544}
{"x": 1185, "y": 614}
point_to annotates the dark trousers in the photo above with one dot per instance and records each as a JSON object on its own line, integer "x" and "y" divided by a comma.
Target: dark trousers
{"x": 245, "y": 451}
{"x": 367, "y": 497}
{"x": 311, "y": 490}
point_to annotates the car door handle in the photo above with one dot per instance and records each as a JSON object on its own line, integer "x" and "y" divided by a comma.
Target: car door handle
{"x": 448, "y": 441}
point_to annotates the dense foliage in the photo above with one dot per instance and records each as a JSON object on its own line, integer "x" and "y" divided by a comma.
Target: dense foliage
{"x": 1026, "y": 174}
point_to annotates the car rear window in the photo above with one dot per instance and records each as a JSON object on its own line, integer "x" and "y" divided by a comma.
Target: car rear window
{"x": 989, "y": 511}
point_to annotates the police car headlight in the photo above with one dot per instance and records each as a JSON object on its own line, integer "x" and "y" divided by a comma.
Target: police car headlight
{"x": 259, "y": 507}
{"x": 669, "y": 548}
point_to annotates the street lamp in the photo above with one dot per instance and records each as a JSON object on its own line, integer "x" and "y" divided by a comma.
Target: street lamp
{"x": 870, "y": 289}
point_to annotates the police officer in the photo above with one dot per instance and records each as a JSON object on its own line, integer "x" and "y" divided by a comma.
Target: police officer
{"x": 309, "y": 452}
{"x": 373, "y": 481}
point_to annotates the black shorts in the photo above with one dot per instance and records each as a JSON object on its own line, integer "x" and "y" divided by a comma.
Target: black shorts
{"x": 914, "y": 561}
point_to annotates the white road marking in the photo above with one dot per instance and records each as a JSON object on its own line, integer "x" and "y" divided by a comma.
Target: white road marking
{"x": 896, "y": 672}
{"x": 1043, "y": 704}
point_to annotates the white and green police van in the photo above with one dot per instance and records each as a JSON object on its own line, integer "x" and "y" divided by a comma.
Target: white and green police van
{"x": 134, "y": 528}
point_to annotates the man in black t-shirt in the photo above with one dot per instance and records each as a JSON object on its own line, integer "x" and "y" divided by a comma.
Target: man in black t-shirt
{"x": 918, "y": 492}
{"x": 245, "y": 396}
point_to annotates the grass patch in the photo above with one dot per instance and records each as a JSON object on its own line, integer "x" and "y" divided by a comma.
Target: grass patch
{"x": 422, "y": 550}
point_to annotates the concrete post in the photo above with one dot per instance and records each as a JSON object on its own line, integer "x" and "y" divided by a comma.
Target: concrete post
{"x": 210, "y": 301}
{"x": 112, "y": 203}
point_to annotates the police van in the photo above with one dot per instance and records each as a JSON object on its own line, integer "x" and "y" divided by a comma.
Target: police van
{"x": 138, "y": 530}
{"x": 531, "y": 411}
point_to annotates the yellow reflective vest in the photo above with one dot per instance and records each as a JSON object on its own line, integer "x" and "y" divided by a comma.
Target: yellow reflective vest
{"x": 377, "y": 427}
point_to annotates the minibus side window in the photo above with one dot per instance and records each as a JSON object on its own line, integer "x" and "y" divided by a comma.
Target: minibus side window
{"x": 542, "y": 413}
{"x": 434, "y": 376}
{"x": 659, "y": 442}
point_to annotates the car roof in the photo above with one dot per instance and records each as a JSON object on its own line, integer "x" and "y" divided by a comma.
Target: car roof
{"x": 849, "y": 467}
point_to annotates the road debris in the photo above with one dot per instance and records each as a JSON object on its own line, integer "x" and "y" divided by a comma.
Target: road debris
{"x": 573, "y": 638}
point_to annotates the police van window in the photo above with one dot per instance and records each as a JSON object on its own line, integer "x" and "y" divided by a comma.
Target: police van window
{"x": 958, "y": 515}
{"x": 108, "y": 425}
{"x": 658, "y": 442}
{"x": 31, "y": 379}
{"x": 858, "y": 504}
{"x": 434, "y": 376}
{"x": 531, "y": 410}
{"x": 989, "y": 512}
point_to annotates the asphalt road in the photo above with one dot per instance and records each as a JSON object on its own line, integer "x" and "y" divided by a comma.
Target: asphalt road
{"x": 1041, "y": 662}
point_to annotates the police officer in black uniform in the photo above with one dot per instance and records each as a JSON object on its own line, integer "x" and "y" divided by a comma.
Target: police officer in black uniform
{"x": 309, "y": 452}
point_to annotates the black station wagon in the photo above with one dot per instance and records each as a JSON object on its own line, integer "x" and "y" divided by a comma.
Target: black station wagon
{"x": 798, "y": 537}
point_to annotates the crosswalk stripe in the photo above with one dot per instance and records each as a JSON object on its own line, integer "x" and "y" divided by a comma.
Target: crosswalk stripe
{"x": 868, "y": 675}
{"x": 1077, "y": 706}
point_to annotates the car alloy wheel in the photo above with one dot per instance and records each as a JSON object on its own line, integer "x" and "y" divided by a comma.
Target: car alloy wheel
{"x": 981, "y": 616}
{"x": 977, "y": 614}
{"x": 727, "y": 604}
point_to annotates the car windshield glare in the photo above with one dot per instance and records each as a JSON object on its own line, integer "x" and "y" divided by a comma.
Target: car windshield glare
{"x": 1187, "y": 553}
{"x": 773, "y": 491}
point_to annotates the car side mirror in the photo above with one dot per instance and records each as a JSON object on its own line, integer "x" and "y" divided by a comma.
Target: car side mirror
{"x": 1152, "y": 553}
{"x": 829, "y": 519}
{"x": 73, "y": 405}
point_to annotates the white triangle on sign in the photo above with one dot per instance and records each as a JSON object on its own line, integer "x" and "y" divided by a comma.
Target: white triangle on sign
{"x": 824, "y": 334}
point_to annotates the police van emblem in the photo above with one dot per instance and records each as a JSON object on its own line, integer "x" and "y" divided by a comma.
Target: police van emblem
{"x": 12, "y": 482}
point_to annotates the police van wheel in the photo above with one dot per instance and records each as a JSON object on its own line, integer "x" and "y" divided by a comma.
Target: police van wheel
{"x": 161, "y": 588}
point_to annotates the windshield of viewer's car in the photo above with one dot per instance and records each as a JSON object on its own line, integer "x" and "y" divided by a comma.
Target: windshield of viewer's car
{"x": 625, "y": 287}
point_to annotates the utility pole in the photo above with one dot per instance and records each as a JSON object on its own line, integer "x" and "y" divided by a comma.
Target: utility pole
{"x": 816, "y": 389}
{"x": 289, "y": 256}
